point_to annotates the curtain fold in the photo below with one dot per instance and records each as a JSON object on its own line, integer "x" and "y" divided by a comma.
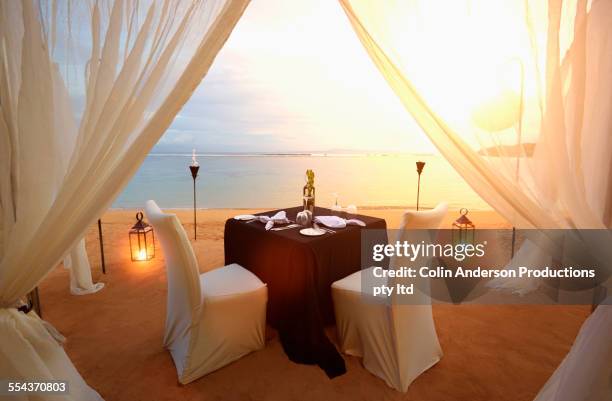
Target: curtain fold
{"x": 86, "y": 90}
{"x": 77, "y": 262}
{"x": 501, "y": 88}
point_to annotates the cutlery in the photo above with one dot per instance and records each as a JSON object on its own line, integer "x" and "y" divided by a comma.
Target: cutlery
{"x": 285, "y": 228}
{"x": 316, "y": 226}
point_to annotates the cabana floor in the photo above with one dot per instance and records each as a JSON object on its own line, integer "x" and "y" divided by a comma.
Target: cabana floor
{"x": 114, "y": 336}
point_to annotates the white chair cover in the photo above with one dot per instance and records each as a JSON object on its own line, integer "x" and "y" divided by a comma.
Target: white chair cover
{"x": 212, "y": 318}
{"x": 529, "y": 254}
{"x": 397, "y": 342}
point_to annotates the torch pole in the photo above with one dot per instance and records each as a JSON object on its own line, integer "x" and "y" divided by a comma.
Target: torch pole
{"x": 194, "y": 173}
{"x": 518, "y": 146}
{"x": 195, "y": 223}
{"x": 418, "y": 191}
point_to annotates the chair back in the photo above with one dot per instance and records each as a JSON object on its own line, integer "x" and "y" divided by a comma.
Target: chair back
{"x": 184, "y": 293}
{"x": 426, "y": 219}
{"x": 415, "y": 338}
{"x": 415, "y": 229}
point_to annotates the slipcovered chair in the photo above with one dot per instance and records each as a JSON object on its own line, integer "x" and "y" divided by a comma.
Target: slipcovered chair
{"x": 397, "y": 340}
{"x": 212, "y": 318}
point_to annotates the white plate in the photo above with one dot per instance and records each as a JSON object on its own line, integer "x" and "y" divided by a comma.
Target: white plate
{"x": 244, "y": 217}
{"x": 312, "y": 232}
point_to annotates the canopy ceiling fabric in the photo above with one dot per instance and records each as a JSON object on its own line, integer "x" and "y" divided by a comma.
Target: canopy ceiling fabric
{"x": 488, "y": 79}
{"x": 87, "y": 88}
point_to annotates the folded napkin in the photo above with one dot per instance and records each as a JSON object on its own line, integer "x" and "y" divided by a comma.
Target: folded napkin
{"x": 337, "y": 222}
{"x": 245, "y": 217}
{"x": 278, "y": 218}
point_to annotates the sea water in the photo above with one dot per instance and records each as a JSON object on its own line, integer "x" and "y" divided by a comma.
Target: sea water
{"x": 276, "y": 181}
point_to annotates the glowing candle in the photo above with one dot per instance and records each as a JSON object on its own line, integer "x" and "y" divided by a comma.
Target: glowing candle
{"x": 142, "y": 240}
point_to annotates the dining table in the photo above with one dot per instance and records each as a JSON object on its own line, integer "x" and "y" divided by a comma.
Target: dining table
{"x": 299, "y": 271}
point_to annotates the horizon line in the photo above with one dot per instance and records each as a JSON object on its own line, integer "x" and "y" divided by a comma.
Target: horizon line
{"x": 294, "y": 154}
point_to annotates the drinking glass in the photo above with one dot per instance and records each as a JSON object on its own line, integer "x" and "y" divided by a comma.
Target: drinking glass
{"x": 336, "y": 207}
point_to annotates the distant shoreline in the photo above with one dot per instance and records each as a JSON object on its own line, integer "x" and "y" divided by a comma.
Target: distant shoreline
{"x": 413, "y": 207}
{"x": 263, "y": 179}
{"x": 294, "y": 154}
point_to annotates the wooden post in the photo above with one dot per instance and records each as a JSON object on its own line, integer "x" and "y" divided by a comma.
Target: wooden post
{"x": 101, "y": 246}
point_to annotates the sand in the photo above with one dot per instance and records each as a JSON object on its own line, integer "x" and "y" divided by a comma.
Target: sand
{"x": 115, "y": 335}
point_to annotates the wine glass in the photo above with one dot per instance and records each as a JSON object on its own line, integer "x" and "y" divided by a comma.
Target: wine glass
{"x": 336, "y": 207}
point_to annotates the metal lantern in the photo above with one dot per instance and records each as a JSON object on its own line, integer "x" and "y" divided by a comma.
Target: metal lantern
{"x": 463, "y": 230}
{"x": 142, "y": 240}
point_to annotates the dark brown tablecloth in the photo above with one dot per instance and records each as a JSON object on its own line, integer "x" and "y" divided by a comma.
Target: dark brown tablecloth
{"x": 299, "y": 272}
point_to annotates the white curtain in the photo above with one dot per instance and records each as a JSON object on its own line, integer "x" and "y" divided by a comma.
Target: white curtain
{"x": 516, "y": 95}
{"x": 86, "y": 89}
{"x": 77, "y": 262}
{"x": 585, "y": 372}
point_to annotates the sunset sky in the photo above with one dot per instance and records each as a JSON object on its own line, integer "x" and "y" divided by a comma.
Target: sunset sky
{"x": 293, "y": 77}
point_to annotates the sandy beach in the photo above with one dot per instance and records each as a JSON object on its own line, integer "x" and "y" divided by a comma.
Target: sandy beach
{"x": 209, "y": 246}
{"x": 115, "y": 335}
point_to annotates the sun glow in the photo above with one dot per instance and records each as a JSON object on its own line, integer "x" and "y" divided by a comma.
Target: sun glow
{"x": 478, "y": 64}
{"x": 295, "y": 72}
{"x": 465, "y": 57}
{"x": 304, "y": 74}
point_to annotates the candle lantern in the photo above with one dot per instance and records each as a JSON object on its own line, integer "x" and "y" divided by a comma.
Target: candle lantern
{"x": 463, "y": 230}
{"x": 142, "y": 240}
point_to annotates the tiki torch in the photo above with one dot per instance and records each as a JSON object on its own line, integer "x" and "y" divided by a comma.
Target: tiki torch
{"x": 419, "y": 166}
{"x": 194, "y": 167}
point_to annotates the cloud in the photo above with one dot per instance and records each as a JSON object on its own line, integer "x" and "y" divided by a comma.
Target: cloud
{"x": 293, "y": 76}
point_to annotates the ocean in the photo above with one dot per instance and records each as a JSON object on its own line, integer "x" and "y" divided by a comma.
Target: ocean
{"x": 276, "y": 181}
